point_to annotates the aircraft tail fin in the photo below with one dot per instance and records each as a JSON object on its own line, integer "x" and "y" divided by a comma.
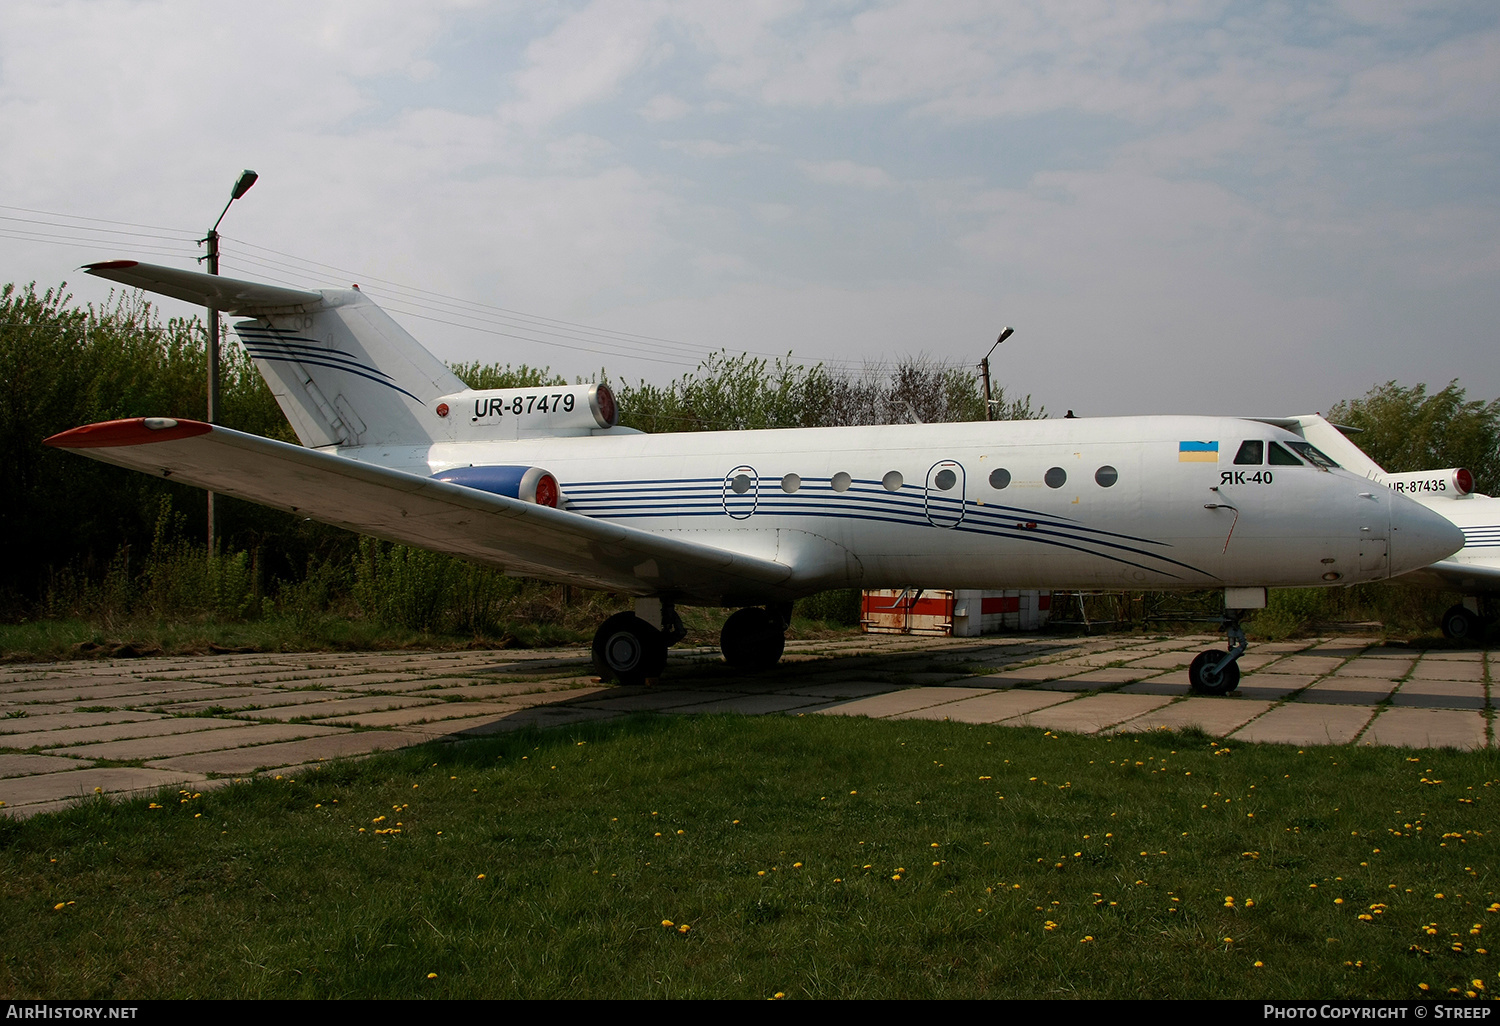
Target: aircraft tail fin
{"x": 342, "y": 370}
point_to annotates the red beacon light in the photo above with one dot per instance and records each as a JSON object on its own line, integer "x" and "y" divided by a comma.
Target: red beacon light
{"x": 1464, "y": 481}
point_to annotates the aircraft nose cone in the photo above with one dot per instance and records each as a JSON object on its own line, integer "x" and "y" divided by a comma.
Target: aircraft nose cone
{"x": 1419, "y": 536}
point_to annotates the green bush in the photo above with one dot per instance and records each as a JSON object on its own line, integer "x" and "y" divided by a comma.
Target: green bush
{"x": 426, "y": 591}
{"x": 841, "y": 607}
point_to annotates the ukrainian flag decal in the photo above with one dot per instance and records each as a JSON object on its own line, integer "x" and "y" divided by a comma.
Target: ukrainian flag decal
{"x": 1197, "y": 452}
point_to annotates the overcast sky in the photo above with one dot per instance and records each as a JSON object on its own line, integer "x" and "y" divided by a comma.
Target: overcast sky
{"x": 1197, "y": 207}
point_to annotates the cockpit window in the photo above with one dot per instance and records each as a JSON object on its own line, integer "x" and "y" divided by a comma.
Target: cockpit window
{"x": 1313, "y": 455}
{"x": 1250, "y": 454}
{"x": 1280, "y": 457}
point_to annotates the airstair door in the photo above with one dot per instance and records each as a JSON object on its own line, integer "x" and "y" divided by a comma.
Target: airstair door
{"x": 945, "y": 494}
{"x": 741, "y": 492}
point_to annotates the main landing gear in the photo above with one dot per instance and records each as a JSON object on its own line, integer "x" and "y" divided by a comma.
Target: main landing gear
{"x": 1218, "y": 673}
{"x": 630, "y": 648}
{"x": 1460, "y": 623}
{"x": 754, "y": 638}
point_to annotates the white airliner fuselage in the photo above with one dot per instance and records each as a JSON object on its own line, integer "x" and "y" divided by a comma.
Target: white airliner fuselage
{"x": 542, "y": 482}
{"x": 1082, "y": 503}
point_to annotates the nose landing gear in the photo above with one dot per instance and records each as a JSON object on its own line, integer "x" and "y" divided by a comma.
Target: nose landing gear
{"x": 1218, "y": 673}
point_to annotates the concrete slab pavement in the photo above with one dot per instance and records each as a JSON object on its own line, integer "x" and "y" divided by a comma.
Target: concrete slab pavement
{"x": 129, "y": 725}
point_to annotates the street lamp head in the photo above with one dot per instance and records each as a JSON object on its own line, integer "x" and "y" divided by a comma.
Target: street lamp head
{"x": 1007, "y": 333}
{"x": 247, "y": 178}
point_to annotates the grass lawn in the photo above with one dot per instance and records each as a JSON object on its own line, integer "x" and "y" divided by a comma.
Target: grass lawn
{"x": 749, "y": 857}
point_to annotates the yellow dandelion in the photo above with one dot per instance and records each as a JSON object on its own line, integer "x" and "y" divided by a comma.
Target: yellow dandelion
{"x": 667, "y": 922}
{"x": 684, "y": 928}
{"x": 432, "y": 976}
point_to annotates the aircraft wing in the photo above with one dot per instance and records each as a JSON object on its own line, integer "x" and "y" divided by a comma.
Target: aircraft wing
{"x": 518, "y": 537}
{"x": 1451, "y": 575}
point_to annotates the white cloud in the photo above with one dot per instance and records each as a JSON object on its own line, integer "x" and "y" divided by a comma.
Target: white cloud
{"x": 846, "y": 172}
{"x": 583, "y": 60}
{"x": 712, "y": 149}
{"x": 664, "y": 107}
{"x": 1279, "y": 186}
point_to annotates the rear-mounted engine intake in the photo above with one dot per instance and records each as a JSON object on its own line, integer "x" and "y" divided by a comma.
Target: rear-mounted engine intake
{"x": 529, "y": 484}
{"x": 1453, "y": 483}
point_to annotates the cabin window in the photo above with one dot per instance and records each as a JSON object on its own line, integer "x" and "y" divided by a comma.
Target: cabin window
{"x": 1313, "y": 455}
{"x": 791, "y": 483}
{"x": 1279, "y": 457}
{"x": 1056, "y": 477}
{"x": 841, "y": 482}
{"x": 892, "y": 481}
{"x": 944, "y": 479}
{"x": 1106, "y": 476}
{"x": 999, "y": 478}
{"x": 741, "y": 484}
{"x": 1250, "y": 454}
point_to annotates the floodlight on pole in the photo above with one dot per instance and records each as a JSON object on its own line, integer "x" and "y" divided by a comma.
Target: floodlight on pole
{"x": 241, "y": 186}
{"x": 984, "y": 365}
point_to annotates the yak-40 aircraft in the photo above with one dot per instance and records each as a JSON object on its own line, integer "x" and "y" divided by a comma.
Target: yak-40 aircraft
{"x": 543, "y": 482}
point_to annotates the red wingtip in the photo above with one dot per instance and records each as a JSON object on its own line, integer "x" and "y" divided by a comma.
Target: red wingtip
{"x": 134, "y": 431}
{"x": 111, "y": 265}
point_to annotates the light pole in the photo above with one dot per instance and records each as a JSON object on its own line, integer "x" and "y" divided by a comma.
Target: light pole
{"x": 241, "y": 186}
{"x": 984, "y": 365}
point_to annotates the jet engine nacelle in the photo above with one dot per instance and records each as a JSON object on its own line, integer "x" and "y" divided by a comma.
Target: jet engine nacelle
{"x": 1453, "y": 483}
{"x": 543, "y": 411}
{"x": 529, "y": 484}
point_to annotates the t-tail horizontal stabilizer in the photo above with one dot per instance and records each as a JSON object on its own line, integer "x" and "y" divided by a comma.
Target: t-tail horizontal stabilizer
{"x": 344, "y": 373}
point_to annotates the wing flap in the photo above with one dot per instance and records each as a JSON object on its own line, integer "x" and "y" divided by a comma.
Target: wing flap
{"x": 519, "y": 537}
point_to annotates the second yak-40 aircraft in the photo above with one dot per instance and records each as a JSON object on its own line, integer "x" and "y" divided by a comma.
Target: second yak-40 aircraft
{"x": 544, "y": 482}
